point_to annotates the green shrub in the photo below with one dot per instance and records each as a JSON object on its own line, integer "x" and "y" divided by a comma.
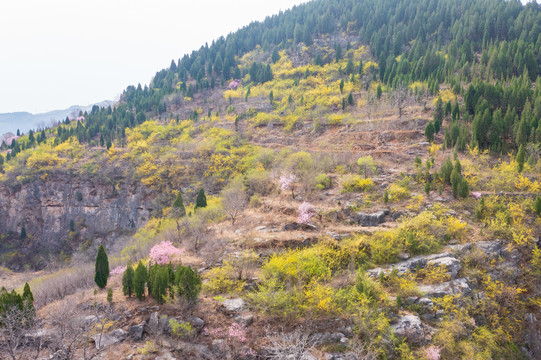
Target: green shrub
{"x": 323, "y": 182}
{"x": 181, "y": 329}
{"x": 187, "y": 283}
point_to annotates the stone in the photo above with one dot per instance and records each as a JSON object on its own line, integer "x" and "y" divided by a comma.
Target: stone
{"x": 234, "y": 305}
{"x": 41, "y": 336}
{"x": 490, "y": 248}
{"x": 166, "y": 356}
{"x": 307, "y": 356}
{"x": 195, "y": 351}
{"x": 373, "y": 219}
{"x": 136, "y": 331}
{"x": 219, "y": 347}
{"x": 451, "y": 264}
{"x": 154, "y": 322}
{"x": 454, "y": 287}
{"x": 246, "y": 319}
{"x": 196, "y": 322}
{"x": 105, "y": 340}
{"x": 410, "y": 327}
{"x": 411, "y": 264}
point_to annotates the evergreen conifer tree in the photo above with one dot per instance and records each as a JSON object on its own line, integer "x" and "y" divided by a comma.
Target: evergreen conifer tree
{"x": 160, "y": 283}
{"x": 178, "y": 206}
{"x": 140, "y": 279}
{"x": 520, "y": 158}
{"x": 201, "y": 200}
{"x": 23, "y": 232}
{"x": 128, "y": 281}
{"x": 102, "y": 268}
{"x": 537, "y": 205}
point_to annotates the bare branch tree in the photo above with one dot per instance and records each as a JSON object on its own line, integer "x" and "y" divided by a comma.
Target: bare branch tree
{"x": 234, "y": 199}
{"x": 14, "y": 330}
{"x": 401, "y": 98}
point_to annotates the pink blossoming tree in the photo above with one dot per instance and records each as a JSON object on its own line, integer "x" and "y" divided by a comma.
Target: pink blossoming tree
{"x": 164, "y": 252}
{"x": 306, "y": 212}
{"x": 287, "y": 182}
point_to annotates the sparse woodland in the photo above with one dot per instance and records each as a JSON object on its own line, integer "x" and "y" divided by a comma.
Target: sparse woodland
{"x": 344, "y": 180}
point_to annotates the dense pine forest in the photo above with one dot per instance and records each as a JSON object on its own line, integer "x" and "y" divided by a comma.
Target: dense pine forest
{"x": 343, "y": 180}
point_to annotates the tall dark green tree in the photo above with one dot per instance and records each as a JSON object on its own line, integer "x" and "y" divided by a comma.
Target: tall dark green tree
{"x": 23, "y": 232}
{"x": 140, "y": 279}
{"x": 102, "y": 268}
{"x": 178, "y": 207}
{"x": 188, "y": 282}
{"x": 160, "y": 283}
{"x": 128, "y": 280}
{"x": 201, "y": 200}
{"x": 429, "y": 131}
{"x": 520, "y": 158}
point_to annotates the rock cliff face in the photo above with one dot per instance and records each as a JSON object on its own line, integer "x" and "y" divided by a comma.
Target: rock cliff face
{"x": 62, "y": 211}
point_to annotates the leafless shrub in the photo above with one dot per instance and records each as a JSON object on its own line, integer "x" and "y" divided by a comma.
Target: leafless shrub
{"x": 282, "y": 346}
{"x": 64, "y": 282}
{"x": 14, "y": 342}
{"x": 234, "y": 199}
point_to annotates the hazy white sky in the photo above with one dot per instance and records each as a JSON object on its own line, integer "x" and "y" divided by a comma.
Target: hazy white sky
{"x": 58, "y": 53}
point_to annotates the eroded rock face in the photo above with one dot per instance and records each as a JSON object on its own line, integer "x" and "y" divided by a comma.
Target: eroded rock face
{"x": 374, "y": 219}
{"x": 98, "y": 210}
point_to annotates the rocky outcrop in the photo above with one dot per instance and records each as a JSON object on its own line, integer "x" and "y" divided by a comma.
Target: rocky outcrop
{"x": 96, "y": 210}
{"x": 103, "y": 341}
{"x": 418, "y": 262}
{"x": 454, "y": 287}
{"x": 373, "y": 219}
{"x": 411, "y": 328}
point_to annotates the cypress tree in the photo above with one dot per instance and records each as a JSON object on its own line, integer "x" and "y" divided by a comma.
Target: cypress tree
{"x": 102, "y": 268}
{"x": 140, "y": 279}
{"x": 521, "y": 157}
{"x": 378, "y": 92}
{"x": 128, "y": 280}
{"x": 463, "y": 189}
{"x": 178, "y": 206}
{"x": 188, "y": 282}
{"x": 201, "y": 200}
{"x": 429, "y": 131}
{"x": 23, "y": 232}
{"x": 537, "y": 205}
{"x": 160, "y": 283}
{"x": 350, "y": 99}
{"x": 28, "y": 303}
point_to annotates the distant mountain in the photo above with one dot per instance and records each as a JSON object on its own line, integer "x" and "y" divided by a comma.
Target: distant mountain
{"x": 24, "y": 121}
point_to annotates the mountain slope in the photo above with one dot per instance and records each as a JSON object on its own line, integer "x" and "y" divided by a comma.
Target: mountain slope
{"x": 372, "y": 180}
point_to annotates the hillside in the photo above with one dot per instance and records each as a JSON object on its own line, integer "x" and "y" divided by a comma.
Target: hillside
{"x": 349, "y": 180}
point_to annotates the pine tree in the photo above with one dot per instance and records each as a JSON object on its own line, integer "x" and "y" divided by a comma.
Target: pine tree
{"x": 188, "y": 282}
{"x": 537, "y": 205}
{"x": 102, "y": 268}
{"x": 23, "y": 232}
{"x": 341, "y": 86}
{"x": 350, "y": 99}
{"x": 378, "y": 92}
{"x": 160, "y": 283}
{"x": 520, "y": 158}
{"x": 140, "y": 279}
{"x": 28, "y": 303}
{"x": 201, "y": 200}
{"x": 128, "y": 280}
{"x": 429, "y": 131}
{"x": 178, "y": 206}
{"x": 463, "y": 188}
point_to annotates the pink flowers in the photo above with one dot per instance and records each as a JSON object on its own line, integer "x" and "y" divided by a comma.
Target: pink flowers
{"x": 287, "y": 182}
{"x": 306, "y": 212}
{"x": 237, "y": 332}
{"x": 164, "y": 253}
{"x": 433, "y": 353}
{"x": 119, "y": 270}
{"x": 476, "y": 194}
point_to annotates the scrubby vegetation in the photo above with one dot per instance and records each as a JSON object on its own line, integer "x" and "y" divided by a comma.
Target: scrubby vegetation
{"x": 287, "y": 165}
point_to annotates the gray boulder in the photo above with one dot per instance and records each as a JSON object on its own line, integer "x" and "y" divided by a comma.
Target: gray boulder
{"x": 373, "y": 219}
{"x": 454, "y": 287}
{"x": 450, "y": 263}
{"x": 234, "y": 305}
{"x": 411, "y": 328}
{"x": 195, "y": 351}
{"x": 196, "y": 322}
{"x": 136, "y": 331}
{"x": 105, "y": 340}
